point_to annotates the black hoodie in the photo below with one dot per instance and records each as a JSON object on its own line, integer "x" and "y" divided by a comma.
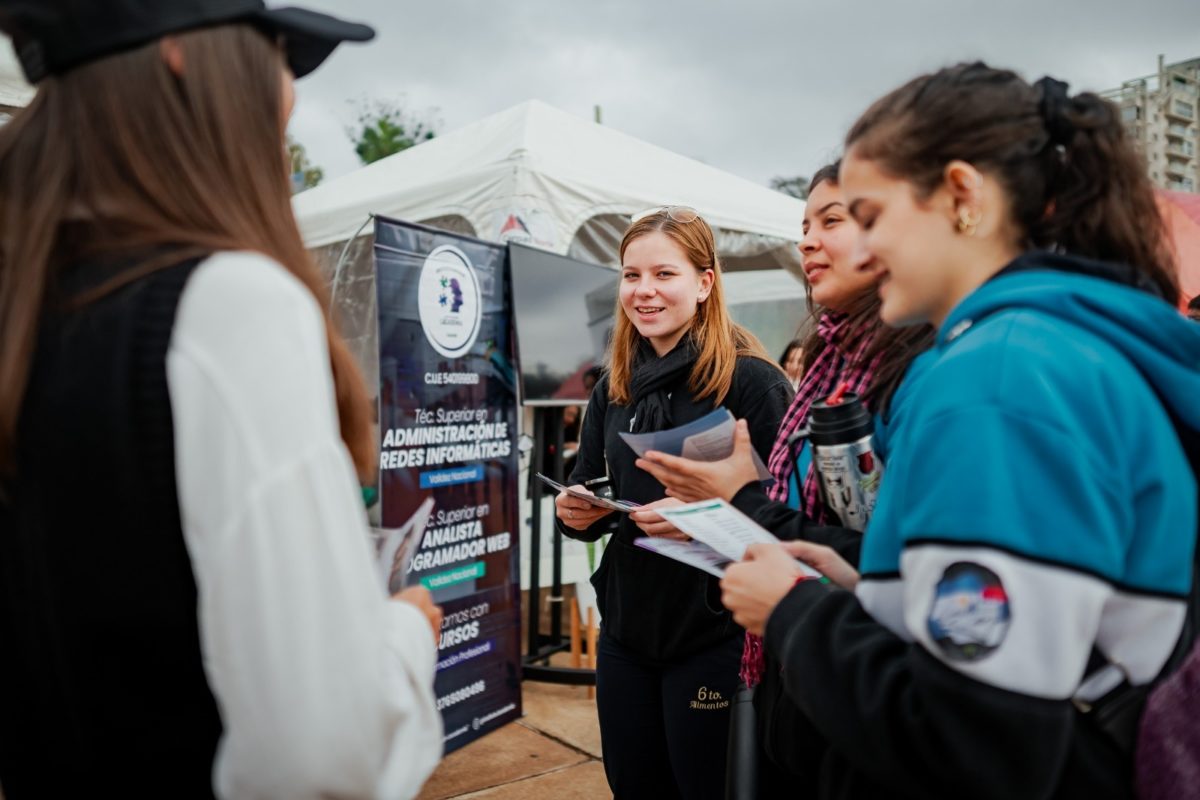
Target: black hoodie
{"x": 651, "y": 604}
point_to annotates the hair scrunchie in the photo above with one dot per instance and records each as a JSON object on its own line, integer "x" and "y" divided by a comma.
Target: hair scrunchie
{"x": 1053, "y": 106}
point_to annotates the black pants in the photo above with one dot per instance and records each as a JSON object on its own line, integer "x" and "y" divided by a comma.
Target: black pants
{"x": 664, "y": 726}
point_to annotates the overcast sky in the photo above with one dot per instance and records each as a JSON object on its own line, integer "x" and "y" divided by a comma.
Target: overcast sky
{"x": 758, "y": 87}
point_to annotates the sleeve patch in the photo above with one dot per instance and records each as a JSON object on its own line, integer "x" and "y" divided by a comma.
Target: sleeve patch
{"x": 970, "y": 615}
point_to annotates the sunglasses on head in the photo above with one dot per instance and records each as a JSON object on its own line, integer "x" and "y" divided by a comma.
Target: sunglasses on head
{"x": 681, "y": 214}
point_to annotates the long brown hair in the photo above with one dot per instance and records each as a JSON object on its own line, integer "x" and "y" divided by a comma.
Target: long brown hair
{"x": 895, "y": 348}
{"x": 147, "y": 161}
{"x": 1073, "y": 178}
{"x": 718, "y": 340}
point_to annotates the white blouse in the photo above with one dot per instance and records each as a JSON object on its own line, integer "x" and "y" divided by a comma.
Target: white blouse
{"x": 325, "y": 686}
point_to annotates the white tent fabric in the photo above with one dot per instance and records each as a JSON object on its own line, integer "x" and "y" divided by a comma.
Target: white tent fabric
{"x": 539, "y": 175}
{"x": 14, "y": 91}
{"x": 771, "y": 303}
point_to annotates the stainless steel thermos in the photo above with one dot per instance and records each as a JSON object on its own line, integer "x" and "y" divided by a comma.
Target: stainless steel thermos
{"x": 840, "y": 432}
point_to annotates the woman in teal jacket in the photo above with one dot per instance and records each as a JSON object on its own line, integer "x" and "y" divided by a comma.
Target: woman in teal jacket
{"x": 1034, "y": 538}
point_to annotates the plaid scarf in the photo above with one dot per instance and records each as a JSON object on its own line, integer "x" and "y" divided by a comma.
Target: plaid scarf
{"x": 831, "y": 367}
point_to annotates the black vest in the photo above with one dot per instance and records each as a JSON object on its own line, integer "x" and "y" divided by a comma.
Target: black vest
{"x": 101, "y": 682}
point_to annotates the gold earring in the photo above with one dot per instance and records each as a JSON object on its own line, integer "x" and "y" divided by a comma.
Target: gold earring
{"x": 968, "y": 221}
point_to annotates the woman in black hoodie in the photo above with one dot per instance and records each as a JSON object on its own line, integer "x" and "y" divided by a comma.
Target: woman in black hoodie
{"x": 668, "y": 653}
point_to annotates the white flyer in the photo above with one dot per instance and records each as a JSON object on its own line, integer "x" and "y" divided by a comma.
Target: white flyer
{"x": 709, "y": 438}
{"x": 723, "y": 528}
{"x": 395, "y": 547}
{"x": 695, "y": 554}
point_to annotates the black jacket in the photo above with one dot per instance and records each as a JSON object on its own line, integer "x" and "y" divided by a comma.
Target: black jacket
{"x": 102, "y": 679}
{"x": 863, "y": 687}
{"x": 655, "y": 606}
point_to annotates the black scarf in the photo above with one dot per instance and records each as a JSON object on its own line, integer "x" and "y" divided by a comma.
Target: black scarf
{"x": 652, "y": 381}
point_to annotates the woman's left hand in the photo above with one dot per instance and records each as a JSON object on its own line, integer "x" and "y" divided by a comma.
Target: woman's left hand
{"x": 692, "y": 481}
{"x": 652, "y": 523}
{"x": 753, "y": 587}
{"x": 826, "y": 561}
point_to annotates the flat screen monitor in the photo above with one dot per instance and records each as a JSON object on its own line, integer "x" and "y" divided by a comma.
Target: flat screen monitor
{"x": 563, "y": 310}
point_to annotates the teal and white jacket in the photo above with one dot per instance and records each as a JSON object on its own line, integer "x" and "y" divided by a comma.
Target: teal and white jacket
{"x": 1036, "y": 502}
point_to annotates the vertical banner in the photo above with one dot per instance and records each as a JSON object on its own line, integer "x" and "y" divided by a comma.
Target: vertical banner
{"x": 448, "y": 427}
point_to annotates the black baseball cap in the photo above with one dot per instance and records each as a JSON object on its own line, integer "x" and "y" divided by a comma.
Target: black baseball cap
{"x": 52, "y": 36}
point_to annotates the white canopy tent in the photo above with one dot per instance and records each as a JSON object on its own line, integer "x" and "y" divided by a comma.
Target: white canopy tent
{"x": 14, "y": 91}
{"x": 771, "y": 303}
{"x": 544, "y": 177}
{"x": 537, "y": 175}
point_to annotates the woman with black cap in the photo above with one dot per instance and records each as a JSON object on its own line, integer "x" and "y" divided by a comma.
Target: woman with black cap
{"x": 187, "y": 600}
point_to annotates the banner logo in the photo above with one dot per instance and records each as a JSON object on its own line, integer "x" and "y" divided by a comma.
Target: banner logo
{"x": 448, "y": 301}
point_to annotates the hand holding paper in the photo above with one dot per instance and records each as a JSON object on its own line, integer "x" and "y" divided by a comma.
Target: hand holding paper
{"x": 826, "y": 561}
{"x": 584, "y": 494}
{"x": 652, "y": 523}
{"x": 768, "y": 568}
{"x": 691, "y": 481}
{"x": 420, "y": 597}
{"x": 723, "y": 528}
{"x": 577, "y": 513}
{"x": 752, "y": 588}
{"x": 710, "y": 438}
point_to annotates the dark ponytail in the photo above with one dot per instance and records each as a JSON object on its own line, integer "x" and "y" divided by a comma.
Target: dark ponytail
{"x": 1074, "y": 180}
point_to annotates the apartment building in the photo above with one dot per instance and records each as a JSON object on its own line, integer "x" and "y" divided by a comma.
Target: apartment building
{"x": 1160, "y": 111}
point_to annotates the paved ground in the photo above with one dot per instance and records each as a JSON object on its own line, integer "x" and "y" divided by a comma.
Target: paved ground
{"x": 552, "y": 752}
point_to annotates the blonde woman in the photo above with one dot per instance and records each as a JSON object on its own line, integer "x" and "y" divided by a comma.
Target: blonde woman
{"x": 668, "y": 653}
